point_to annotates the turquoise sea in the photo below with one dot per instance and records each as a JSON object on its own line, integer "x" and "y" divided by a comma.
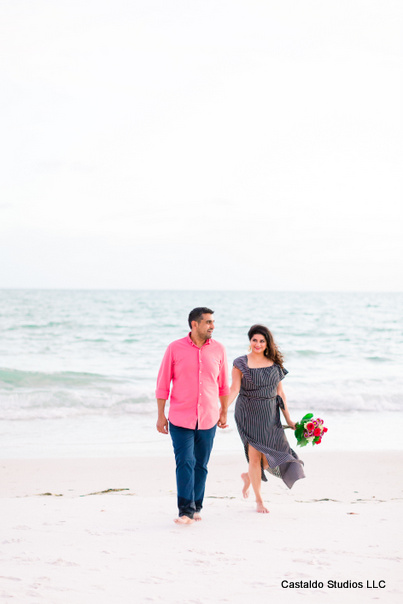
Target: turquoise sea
{"x": 78, "y": 368}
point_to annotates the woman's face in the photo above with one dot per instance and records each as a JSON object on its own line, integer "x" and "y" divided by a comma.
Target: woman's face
{"x": 258, "y": 343}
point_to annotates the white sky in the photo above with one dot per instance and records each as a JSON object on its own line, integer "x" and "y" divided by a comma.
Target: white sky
{"x": 201, "y": 144}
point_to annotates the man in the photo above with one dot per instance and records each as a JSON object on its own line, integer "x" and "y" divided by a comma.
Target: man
{"x": 197, "y": 367}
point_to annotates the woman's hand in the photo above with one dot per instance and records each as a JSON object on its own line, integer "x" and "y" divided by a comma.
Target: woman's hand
{"x": 291, "y": 424}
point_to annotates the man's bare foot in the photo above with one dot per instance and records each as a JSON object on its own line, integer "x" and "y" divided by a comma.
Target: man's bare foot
{"x": 197, "y": 516}
{"x": 246, "y": 484}
{"x": 261, "y": 508}
{"x": 183, "y": 520}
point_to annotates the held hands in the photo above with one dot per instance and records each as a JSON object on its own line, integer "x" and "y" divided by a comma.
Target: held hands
{"x": 162, "y": 425}
{"x": 222, "y": 422}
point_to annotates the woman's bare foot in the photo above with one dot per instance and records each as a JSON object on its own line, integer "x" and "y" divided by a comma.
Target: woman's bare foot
{"x": 246, "y": 484}
{"x": 197, "y": 516}
{"x": 261, "y": 508}
{"x": 183, "y": 520}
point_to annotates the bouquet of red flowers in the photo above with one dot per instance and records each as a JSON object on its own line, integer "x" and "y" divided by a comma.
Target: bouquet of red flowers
{"x": 309, "y": 430}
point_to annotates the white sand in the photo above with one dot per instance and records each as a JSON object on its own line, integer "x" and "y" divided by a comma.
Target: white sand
{"x": 343, "y": 522}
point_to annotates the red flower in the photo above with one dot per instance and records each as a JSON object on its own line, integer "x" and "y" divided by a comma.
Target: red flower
{"x": 316, "y": 432}
{"x": 324, "y": 429}
{"x": 310, "y": 426}
{"x": 317, "y": 442}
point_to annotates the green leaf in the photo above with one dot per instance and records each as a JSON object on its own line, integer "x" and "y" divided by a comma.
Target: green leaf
{"x": 306, "y": 417}
{"x": 302, "y": 441}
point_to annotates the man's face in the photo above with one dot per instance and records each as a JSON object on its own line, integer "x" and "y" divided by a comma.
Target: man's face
{"x": 204, "y": 329}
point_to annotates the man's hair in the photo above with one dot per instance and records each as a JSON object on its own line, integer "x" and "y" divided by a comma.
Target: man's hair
{"x": 197, "y": 313}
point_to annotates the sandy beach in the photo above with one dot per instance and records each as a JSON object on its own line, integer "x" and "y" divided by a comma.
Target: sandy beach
{"x": 102, "y": 530}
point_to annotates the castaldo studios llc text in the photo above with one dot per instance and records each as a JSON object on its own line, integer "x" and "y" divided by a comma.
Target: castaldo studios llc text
{"x": 368, "y": 584}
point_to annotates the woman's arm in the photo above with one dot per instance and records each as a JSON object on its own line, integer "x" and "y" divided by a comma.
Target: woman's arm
{"x": 285, "y": 412}
{"x": 235, "y": 386}
{"x": 233, "y": 393}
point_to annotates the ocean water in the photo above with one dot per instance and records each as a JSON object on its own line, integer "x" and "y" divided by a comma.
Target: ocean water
{"x": 78, "y": 368}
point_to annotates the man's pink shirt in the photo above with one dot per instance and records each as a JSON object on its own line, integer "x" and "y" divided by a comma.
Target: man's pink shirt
{"x": 198, "y": 376}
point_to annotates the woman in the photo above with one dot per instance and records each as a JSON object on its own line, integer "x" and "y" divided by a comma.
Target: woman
{"x": 257, "y": 378}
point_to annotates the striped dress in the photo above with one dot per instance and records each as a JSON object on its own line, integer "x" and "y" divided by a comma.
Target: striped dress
{"x": 257, "y": 416}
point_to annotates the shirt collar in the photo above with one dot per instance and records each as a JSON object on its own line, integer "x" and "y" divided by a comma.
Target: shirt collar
{"x": 206, "y": 343}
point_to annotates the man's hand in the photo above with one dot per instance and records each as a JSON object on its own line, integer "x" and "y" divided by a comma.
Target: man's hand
{"x": 162, "y": 425}
{"x": 222, "y": 422}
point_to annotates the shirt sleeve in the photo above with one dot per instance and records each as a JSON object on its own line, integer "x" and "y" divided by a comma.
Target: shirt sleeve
{"x": 283, "y": 372}
{"x": 223, "y": 387}
{"x": 165, "y": 375}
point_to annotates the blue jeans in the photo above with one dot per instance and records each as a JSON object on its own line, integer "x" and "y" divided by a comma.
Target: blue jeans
{"x": 192, "y": 450}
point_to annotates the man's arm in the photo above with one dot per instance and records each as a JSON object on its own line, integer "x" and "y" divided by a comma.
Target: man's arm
{"x": 223, "y": 390}
{"x": 162, "y": 422}
{"x": 162, "y": 390}
{"x": 222, "y": 422}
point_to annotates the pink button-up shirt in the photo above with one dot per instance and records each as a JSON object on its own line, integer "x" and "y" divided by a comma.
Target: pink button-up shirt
{"x": 199, "y": 376}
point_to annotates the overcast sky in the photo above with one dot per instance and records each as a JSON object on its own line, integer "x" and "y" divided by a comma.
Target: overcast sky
{"x": 204, "y": 144}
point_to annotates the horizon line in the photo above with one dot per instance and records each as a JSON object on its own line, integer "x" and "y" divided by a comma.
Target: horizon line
{"x": 151, "y": 289}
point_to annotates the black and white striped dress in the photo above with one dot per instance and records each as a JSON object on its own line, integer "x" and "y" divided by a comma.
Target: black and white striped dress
{"x": 257, "y": 416}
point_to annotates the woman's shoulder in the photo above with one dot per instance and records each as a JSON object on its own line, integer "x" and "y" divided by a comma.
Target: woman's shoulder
{"x": 281, "y": 370}
{"x": 240, "y": 362}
